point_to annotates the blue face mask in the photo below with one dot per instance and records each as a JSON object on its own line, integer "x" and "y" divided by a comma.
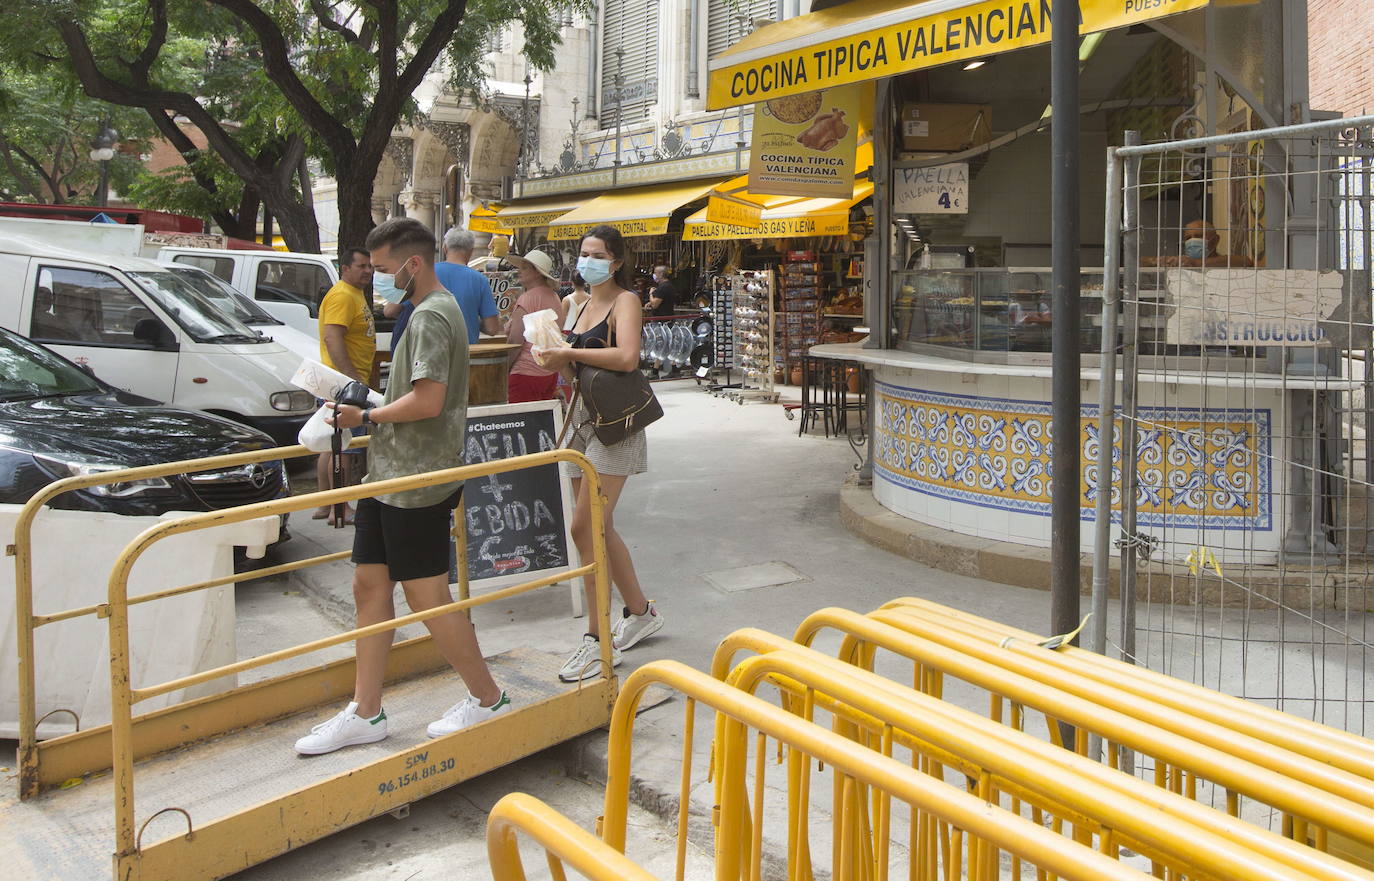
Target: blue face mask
{"x": 1195, "y": 249}
{"x": 384, "y": 285}
{"x": 594, "y": 269}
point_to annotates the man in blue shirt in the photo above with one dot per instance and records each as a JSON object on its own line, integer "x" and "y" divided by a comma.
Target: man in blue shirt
{"x": 468, "y": 286}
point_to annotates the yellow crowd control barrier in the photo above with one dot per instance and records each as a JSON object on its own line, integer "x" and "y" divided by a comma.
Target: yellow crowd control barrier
{"x": 260, "y": 798}
{"x": 564, "y": 843}
{"x": 1077, "y": 797}
{"x": 1189, "y": 753}
{"x": 862, "y": 771}
{"x": 1336, "y": 760}
{"x": 32, "y": 753}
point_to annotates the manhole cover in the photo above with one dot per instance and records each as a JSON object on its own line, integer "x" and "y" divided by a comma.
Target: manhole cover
{"x": 755, "y": 576}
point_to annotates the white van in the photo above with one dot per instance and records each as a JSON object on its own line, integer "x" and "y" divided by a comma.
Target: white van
{"x": 288, "y": 284}
{"x": 140, "y": 327}
{"x": 243, "y": 307}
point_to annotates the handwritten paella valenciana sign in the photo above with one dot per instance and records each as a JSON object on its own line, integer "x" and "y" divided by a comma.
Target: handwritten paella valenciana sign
{"x": 883, "y": 40}
{"x": 804, "y": 145}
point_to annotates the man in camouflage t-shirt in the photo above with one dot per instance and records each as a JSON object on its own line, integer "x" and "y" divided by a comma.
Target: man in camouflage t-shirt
{"x": 405, "y": 536}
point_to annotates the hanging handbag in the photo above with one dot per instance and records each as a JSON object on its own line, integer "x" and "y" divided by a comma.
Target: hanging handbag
{"x": 619, "y": 402}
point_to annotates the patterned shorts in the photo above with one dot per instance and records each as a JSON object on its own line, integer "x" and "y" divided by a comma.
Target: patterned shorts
{"x": 630, "y": 456}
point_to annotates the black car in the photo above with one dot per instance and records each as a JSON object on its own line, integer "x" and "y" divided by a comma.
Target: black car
{"x": 57, "y": 421}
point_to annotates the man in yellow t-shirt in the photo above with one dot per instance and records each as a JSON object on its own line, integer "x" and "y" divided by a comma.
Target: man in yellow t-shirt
{"x": 348, "y": 341}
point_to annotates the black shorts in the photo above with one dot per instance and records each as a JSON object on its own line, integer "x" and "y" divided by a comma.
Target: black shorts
{"x": 411, "y": 542}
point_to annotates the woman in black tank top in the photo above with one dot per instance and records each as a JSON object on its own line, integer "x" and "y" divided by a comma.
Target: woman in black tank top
{"x": 605, "y": 334}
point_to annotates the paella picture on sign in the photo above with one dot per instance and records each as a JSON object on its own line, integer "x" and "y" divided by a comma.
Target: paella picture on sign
{"x": 795, "y": 109}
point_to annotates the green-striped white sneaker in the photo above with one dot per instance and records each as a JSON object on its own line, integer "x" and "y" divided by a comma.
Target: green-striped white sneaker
{"x": 468, "y": 711}
{"x": 345, "y": 729}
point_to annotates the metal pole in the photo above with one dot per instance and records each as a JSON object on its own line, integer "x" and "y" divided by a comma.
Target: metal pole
{"x": 619, "y": 96}
{"x": 1106, "y": 420}
{"x": 1066, "y": 360}
{"x": 1130, "y": 358}
{"x": 104, "y": 187}
{"x": 1130, "y": 361}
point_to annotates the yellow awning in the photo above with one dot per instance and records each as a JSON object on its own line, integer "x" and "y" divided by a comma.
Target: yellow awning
{"x": 483, "y": 219}
{"x": 872, "y": 39}
{"x": 636, "y": 211}
{"x": 791, "y": 219}
{"x": 526, "y": 213}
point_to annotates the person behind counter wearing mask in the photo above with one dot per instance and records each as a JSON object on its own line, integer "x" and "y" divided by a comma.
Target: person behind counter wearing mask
{"x": 1200, "y": 240}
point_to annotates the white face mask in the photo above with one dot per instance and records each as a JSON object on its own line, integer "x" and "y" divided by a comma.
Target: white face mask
{"x": 594, "y": 270}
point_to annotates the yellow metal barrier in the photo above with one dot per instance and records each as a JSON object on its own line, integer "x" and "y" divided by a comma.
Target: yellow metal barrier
{"x": 1313, "y": 796}
{"x": 259, "y": 832}
{"x": 862, "y": 770}
{"x": 1331, "y": 746}
{"x": 563, "y": 842}
{"x": 1185, "y": 750}
{"x": 1180, "y": 835}
{"x": 31, "y": 758}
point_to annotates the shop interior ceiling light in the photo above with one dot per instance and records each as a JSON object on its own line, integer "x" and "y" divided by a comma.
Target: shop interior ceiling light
{"x": 979, "y": 62}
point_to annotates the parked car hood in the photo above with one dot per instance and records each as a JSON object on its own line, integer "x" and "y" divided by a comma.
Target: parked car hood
{"x": 120, "y": 429}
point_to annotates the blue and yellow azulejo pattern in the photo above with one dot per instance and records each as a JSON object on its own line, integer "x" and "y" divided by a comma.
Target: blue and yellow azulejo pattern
{"x": 1208, "y": 467}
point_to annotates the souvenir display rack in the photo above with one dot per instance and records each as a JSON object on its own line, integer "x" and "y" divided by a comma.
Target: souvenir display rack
{"x": 754, "y": 323}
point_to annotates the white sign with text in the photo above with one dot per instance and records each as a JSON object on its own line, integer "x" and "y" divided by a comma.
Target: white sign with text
{"x": 941, "y": 189}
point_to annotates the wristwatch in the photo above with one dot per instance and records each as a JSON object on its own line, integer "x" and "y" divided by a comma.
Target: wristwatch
{"x": 367, "y": 418}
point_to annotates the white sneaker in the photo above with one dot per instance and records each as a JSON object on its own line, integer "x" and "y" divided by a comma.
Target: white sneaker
{"x": 345, "y": 729}
{"x": 468, "y": 711}
{"x": 585, "y": 663}
{"x": 630, "y": 629}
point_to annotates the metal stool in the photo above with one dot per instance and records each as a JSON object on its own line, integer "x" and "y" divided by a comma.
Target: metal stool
{"x": 847, "y": 402}
{"x": 817, "y": 394}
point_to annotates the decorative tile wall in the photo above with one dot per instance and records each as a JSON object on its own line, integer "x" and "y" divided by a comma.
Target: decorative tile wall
{"x": 1207, "y": 467}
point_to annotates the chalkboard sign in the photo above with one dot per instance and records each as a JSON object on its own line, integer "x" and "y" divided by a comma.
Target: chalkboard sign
{"x": 517, "y": 521}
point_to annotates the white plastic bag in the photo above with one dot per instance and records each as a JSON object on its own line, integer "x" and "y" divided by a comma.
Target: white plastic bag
{"x": 317, "y": 435}
{"x": 542, "y": 333}
{"x": 324, "y": 382}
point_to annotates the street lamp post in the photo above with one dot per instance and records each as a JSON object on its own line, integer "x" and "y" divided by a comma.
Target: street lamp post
{"x": 102, "y": 151}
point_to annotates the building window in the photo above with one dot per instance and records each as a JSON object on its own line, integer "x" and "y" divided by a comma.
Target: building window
{"x": 629, "y": 48}
{"x": 727, "y": 21}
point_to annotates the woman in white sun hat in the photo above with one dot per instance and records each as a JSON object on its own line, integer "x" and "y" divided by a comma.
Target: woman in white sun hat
{"x": 528, "y": 381}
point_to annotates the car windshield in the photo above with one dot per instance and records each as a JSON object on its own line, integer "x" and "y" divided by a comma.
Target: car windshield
{"x": 194, "y": 311}
{"x": 225, "y": 297}
{"x": 28, "y": 370}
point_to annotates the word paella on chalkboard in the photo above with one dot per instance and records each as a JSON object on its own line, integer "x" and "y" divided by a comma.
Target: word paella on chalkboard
{"x": 516, "y": 520}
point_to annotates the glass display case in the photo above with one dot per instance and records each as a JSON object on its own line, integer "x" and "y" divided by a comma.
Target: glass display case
{"x": 988, "y": 310}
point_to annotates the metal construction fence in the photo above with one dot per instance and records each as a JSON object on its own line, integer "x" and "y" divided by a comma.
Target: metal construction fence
{"x": 1237, "y": 363}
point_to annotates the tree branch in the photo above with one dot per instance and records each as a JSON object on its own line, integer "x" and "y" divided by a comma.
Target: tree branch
{"x": 141, "y": 65}
{"x": 393, "y": 89}
{"x": 38, "y": 168}
{"x": 326, "y": 20}
{"x": 276, "y": 60}
{"x": 98, "y": 85}
{"x": 24, "y": 179}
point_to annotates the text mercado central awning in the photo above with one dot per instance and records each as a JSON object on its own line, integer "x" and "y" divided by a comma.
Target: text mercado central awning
{"x": 871, "y": 39}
